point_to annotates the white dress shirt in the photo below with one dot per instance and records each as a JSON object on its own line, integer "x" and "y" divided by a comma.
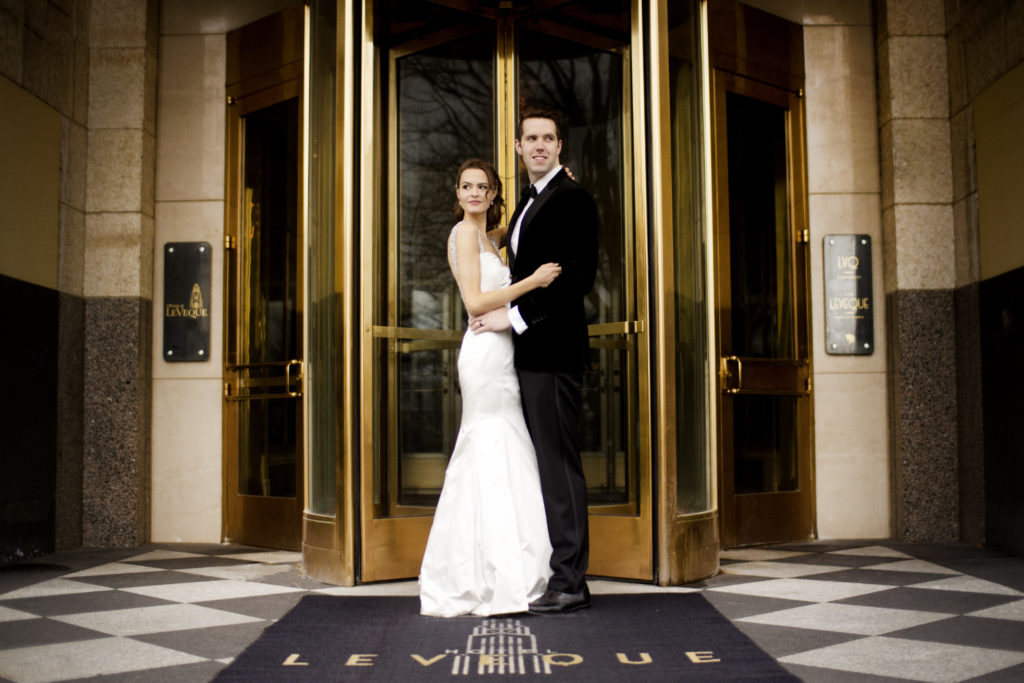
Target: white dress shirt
{"x": 514, "y": 317}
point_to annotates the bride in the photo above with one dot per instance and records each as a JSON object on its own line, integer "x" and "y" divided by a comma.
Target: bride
{"x": 488, "y": 551}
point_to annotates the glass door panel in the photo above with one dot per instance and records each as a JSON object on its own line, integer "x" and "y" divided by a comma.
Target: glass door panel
{"x": 454, "y": 73}
{"x": 765, "y": 399}
{"x": 263, "y": 341}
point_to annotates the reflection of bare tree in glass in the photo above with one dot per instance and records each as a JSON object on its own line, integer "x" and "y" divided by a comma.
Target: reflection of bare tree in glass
{"x": 584, "y": 84}
{"x": 586, "y": 89}
{"x": 445, "y": 116}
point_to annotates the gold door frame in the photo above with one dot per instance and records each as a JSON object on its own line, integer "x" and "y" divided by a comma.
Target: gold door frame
{"x": 260, "y": 520}
{"x": 790, "y": 514}
{"x": 686, "y": 545}
{"x": 398, "y": 541}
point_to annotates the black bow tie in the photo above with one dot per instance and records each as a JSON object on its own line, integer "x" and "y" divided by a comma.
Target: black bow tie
{"x": 528, "y": 192}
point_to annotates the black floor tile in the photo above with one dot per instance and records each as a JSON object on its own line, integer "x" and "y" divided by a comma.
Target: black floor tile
{"x": 54, "y": 605}
{"x": 881, "y": 577}
{"x": 997, "y": 634}
{"x": 217, "y": 642}
{"x": 191, "y": 562}
{"x": 814, "y": 674}
{"x": 1013, "y": 674}
{"x": 737, "y": 606}
{"x": 262, "y": 607}
{"x": 139, "y": 579}
{"x": 28, "y": 632}
{"x": 838, "y": 561}
{"x": 779, "y": 641}
{"x": 929, "y": 600}
{"x": 200, "y": 672}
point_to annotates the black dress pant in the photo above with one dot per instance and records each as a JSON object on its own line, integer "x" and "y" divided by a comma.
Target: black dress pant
{"x": 551, "y": 404}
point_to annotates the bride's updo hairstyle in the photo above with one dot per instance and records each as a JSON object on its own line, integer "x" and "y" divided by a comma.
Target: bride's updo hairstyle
{"x": 498, "y": 206}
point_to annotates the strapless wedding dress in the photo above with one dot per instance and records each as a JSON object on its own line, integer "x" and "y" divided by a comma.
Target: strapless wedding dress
{"x": 488, "y": 551}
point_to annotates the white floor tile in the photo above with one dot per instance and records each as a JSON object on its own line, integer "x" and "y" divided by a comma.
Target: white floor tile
{"x": 114, "y": 568}
{"x": 161, "y": 555}
{"x": 599, "y": 587}
{"x": 776, "y": 570}
{"x": 808, "y": 590}
{"x": 52, "y": 587}
{"x": 242, "y": 572}
{"x": 871, "y": 551}
{"x": 913, "y": 566}
{"x": 205, "y": 591}
{"x": 756, "y": 554}
{"x": 85, "y": 658}
{"x": 8, "y": 614}
{"x": 1012, "y": 611}
{"x": 909, "y": 659}
{"x": 159, "y": 619}
{"x": 968, "y": 584}
{"x": 269, "y": 557}
{"x": 864, "y": 621}
{"x": 405, "y": 588}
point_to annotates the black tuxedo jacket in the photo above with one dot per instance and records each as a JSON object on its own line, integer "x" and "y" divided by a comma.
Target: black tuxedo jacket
{"x": 560, "y": 227}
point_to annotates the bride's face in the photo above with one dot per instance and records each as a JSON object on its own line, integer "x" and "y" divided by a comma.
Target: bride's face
{"x": 475, "y": 192}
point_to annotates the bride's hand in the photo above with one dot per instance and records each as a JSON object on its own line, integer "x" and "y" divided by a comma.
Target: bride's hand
{"x": 568, "y": 172}
{"x": 546, "y": 274}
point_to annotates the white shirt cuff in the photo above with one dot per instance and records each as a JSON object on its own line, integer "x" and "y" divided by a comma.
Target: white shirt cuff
{"x": 516, "y": 320}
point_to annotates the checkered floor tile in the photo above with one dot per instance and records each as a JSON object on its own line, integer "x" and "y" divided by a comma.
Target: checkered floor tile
{"x": 870, "y": 611}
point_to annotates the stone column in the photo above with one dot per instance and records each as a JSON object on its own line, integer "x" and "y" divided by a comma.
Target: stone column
{"x": 118, "y": 271}
{"x": 920, "y": 272}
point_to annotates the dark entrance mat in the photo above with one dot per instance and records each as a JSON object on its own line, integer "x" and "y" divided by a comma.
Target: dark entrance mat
{"x": 646, "y": 637}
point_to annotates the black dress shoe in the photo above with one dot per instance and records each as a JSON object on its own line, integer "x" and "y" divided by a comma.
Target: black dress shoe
{"x": 557, "y": 602}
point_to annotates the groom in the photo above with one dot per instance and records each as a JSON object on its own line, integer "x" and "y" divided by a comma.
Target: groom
{"x": 555, "y": 221}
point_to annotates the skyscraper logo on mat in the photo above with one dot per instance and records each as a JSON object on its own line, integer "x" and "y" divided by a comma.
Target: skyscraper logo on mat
{"x": 506, "y": 646}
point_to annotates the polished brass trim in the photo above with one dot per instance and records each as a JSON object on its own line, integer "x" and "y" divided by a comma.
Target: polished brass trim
{"x": 662, "y": 229}
{"x": 344, "y": 229}
{"x": 711, "y": 292}
{"x": 304, "y": 284}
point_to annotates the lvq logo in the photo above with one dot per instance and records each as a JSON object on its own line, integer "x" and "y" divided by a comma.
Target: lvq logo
{"x": 195, "y": 308}
{"x": 506, "y": 646}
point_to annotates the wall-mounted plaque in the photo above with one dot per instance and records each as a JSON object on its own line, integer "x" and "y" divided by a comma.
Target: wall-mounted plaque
{"x": 849, "y": 302}
{"x": 187, "y": 301}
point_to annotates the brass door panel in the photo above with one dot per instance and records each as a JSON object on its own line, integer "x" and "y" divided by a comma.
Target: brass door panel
{"x": 450, "y": 80}
{"x": 263, "y": 372}
{"x": 765, "y": 392}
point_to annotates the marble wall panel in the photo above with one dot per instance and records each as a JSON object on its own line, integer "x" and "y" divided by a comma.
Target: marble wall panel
{"x": 114, "y": 182}
{"x": 187, "y": 476}
{"x": 117, "y": 77}
{"x": 842, "y": 119}
{"x": 921, "y": 170}
{"x": 918, "y": 82}
{"x": 112, "y": 255}
{"x": 925, "y": 248}
{"x": 851, "y": 455}
{"x": 191, "y": 110}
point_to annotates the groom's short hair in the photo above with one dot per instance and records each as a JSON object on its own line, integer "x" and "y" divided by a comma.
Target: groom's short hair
{"x": 538, "y": 113}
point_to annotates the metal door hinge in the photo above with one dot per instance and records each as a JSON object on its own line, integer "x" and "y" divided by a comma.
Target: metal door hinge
{"x": 803, "y": 236}
{"x": 229, "y": 241}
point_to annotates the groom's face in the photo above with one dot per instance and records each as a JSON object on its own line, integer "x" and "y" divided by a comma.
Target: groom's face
{"x": 539, "y": 147}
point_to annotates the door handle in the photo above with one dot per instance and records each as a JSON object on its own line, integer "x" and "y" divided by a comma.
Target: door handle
{"x": 728, "y": 374}
{"x": 292, "y": 382}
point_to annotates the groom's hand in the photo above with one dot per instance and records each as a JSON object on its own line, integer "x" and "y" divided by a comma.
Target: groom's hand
{"x": 491, "y": 321}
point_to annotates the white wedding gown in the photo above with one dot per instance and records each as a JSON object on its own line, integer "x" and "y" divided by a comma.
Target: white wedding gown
{"x": 488, "y": 550}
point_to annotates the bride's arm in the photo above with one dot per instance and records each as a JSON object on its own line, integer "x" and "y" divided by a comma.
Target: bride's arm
{"x": 468, "y": 249}
{"x": 498, "y": 235}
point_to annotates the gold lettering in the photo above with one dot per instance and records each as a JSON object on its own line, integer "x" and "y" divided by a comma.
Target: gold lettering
{"x": 293, "y": 660}
{"x": 644, "y": 658}
{"x": 360, "y": 660}
{"x": 702, "y": 657}
{"x": 848, "y": 261}
{"x": 572, "y": 659}
{"x": 849, "y": 303}
{"x": 427, "y": 662}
